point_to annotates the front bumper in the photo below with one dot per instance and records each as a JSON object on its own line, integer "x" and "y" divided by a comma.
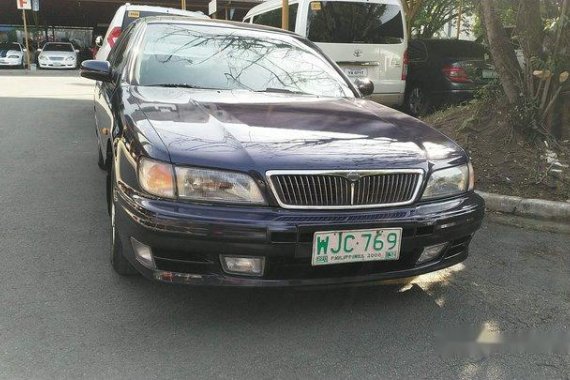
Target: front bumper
{"x": 187, "y": 240}
{"x": 57, "y": 65}
{"x": 11, "y": 62}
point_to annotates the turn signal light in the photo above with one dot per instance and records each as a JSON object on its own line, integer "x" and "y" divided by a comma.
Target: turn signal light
{"x": 156, "y": 178}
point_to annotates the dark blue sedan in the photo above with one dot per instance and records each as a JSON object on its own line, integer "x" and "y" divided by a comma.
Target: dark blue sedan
{"x": 241, "y": 155}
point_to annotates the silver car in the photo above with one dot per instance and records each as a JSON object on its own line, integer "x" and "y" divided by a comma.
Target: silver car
{"x": 57, "y": 55}
{"x": 12, "y": 54}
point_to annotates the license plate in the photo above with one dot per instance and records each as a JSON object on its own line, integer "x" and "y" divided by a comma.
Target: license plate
{"x": 339, "y": 247}
{"x": 356, "y": 72}
{"x": 489, "y": 74}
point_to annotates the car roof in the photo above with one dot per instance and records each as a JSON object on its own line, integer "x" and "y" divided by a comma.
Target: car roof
{"x": 270, "y": 4}
{"x": 165, "y": 10}
{"x": 211, "y": 22}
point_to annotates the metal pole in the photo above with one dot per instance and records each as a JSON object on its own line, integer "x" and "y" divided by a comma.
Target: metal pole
{"x": 285, "y": 14}
{"x": 183, "y": 4}
{"x": 26, "y": 37}
{"x": 459, "y": 14}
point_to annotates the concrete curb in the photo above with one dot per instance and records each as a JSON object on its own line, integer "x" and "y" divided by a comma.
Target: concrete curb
{"x": 530, "y": 208}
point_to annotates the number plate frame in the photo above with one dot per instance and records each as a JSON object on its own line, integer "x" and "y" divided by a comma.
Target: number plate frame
{"x": 355, "y": 72}
{"x": 362, "y": 248}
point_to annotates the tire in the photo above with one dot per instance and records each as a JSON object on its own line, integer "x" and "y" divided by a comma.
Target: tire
{"x": 417, "y": 102}
{"x": 118, "y": 261}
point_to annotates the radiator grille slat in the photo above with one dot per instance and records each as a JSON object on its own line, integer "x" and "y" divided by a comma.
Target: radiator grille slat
{"x": 336, "y": 190}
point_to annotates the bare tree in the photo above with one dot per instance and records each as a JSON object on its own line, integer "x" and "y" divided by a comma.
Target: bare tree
{"x": 503, "y": 53}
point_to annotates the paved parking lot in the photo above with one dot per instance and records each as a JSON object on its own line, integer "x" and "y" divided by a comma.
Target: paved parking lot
{"x": 65, "y": 314}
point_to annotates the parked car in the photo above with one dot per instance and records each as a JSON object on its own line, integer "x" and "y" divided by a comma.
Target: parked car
{"x": 377, "y": 51}
{"x": 444, "y": 71}
{"x": 12, "y": 54}
{"x": 128, "y": 13}
{"x": 241, "y": 155}
{"x": 57, "y": 55}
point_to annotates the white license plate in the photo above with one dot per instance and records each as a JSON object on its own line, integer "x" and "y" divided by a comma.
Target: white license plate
{"x": 338, "y": 247}
{"x": 489, "y": 74}
{"x": 356, "y": 72}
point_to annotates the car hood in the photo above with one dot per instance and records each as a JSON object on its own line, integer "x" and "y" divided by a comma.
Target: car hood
{"x": 5, "y": 53}
{"x": 242, "y": 130}
{"x": 63, "y": 54}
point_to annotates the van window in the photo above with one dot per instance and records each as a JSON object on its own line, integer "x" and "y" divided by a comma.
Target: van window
{"x": 273, "y": 17}
{"x": 355, "y": 22}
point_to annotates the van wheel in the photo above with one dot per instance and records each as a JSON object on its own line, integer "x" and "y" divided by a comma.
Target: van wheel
{"x": 417, "y": 103}
{"x": 118, "y": 261}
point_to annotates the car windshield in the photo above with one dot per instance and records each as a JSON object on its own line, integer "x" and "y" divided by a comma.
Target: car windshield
{"x": 9, "y": 46}
{"x": 226, "y": 58}
{"x": 58, "y": 47}
{"x": 355, "y": 22}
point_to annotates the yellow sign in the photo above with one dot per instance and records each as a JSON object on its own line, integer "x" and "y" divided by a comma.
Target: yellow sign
{"x": 134, "y": 14}
{"x": 316, "y": 6}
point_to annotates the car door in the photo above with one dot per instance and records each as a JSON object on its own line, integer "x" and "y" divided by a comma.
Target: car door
{"x": 106, "y": 126}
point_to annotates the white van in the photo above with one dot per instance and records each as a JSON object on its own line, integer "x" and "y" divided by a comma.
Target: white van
{"x": 365, "y": 38}
{"x": 128, "y": 13}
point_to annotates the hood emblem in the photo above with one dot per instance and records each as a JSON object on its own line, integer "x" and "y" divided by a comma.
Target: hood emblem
{"x": 357, "y": 53}
{"x": 353, "y": 177}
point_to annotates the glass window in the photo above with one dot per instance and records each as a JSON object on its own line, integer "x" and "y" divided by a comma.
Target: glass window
{"x": 5, "y": 46}
{"x": 231, "y": 59}
{"x": 417, "y": 51}
{"x": 58, "y": 47}
{"x": 355, "y": 22}
{"x": 273, "y": 18}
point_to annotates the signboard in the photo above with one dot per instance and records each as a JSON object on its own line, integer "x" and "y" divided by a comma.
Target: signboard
{"x": 212, "y": 7}
{"x": 36, "y": 5}
{"x": 24, "y": 4}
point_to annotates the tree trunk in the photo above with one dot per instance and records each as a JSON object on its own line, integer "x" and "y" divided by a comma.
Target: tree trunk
{"x": 529, "y": 30}
{"x": 503, "y": 53}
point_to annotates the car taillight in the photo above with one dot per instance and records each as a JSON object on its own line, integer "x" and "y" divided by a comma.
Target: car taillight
{"x": 113, "y": 36}
{"x": 405, "y": 65}
{"x": 456, "y": 74}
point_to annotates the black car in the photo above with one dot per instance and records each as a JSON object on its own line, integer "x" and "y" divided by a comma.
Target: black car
{"x": 444, "y": 72}
{"x": 241, "y": 155}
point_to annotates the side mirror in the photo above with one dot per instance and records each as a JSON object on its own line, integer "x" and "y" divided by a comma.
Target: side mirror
{"x": 365, "y": 86}
{"x": 96, "y": 70}
{"x": 99, "y": 41}
{"x": 77, "y": 51}
{"x": 39, "y": 50}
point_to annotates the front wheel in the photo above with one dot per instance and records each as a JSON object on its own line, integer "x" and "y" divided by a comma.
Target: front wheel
{"x": 118, "y": 261}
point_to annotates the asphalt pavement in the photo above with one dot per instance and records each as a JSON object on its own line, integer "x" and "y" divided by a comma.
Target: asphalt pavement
{"x": 504, "y": 313}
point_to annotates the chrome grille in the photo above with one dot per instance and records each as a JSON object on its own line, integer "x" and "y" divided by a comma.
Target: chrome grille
{"x": 350, "y": 189}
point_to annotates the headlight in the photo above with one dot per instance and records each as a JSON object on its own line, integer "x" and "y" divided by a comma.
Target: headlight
{"x": 14, "y": 56}
{"x": 42, "y": 58}
{"x": 217, "y": 186}
{"x": 156, "y": 178}
{"x": 70, "y": 59}
{"x": 449, "y": 182}
{"x": 197, "y": 184}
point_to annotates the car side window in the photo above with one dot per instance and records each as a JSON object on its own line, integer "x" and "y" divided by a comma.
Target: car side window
{"x": 273, "y": 17}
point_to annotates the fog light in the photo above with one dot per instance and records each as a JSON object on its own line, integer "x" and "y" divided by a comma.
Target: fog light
{"x": 431, "y": 252}
{"x": 143, "y": 254}
{"x": 249, "y": 266}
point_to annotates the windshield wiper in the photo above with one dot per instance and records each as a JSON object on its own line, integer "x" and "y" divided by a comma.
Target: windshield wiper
{"x": 181, "y": 85}
{"x": 283, "y": 91}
